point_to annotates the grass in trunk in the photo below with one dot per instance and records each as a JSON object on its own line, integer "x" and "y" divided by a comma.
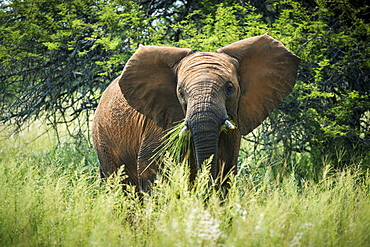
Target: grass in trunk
{"x": 174, "y": 146}
{"x": 178, "y": 147}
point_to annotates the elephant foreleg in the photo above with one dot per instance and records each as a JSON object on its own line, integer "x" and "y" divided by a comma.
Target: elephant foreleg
{"x": 228, "y": 155}
{"x": 146, "y": 169}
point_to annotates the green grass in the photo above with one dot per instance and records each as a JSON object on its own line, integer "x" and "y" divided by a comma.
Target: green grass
{"x": 51, "y": 196}
{"x": 174, "y": 146}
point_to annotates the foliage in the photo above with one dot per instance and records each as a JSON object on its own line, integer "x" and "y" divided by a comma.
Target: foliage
{"x": 58, "y": 57}
{"x": 222, "y": 27}
{"x": 329, "y": 108}
{"x": 175, "y": 145}
{"x": 52, "y": 197}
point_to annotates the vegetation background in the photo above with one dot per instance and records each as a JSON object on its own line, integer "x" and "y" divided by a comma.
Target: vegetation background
{"x": 304, "y": 172}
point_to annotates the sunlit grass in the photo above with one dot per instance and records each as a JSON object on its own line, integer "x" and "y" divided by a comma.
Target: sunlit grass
{"x": 175, "y": 146}
{"x": 52, "y": 196}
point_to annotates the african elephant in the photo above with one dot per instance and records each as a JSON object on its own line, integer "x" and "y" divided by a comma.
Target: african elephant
{"x": 240, "y": 83}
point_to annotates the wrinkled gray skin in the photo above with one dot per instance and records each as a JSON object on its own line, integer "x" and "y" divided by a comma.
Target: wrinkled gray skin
{"x": 242, "y": 82}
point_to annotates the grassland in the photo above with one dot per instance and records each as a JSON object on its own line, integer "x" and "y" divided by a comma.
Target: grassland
{"x": 51, "y": 196}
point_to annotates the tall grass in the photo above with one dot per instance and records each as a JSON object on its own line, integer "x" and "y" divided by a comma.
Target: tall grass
{"x": 52, "y": 196}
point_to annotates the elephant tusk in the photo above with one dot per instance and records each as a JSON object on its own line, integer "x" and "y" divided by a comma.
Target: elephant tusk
{"x": 183, "y": 131}
{"x": 229, "y": 125}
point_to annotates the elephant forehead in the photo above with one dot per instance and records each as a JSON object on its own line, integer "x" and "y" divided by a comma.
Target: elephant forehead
{"x": 207, "y": 64}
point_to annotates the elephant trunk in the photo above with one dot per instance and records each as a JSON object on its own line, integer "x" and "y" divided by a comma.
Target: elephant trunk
{"x": 205, "y": 126}
{"x": 206, "y": 145}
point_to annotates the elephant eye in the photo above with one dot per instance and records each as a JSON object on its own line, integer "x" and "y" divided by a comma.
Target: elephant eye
{"x": 229, "y": 88}
{"x": 181, "y": 93}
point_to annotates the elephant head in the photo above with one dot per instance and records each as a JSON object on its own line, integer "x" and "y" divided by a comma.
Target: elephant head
{"x": 242, "y": 83}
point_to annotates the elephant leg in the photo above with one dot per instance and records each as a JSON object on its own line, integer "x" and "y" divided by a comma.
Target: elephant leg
{"x": 146, "y": 169}
{"x": 107, "y": 163}
{"x": 193, "y": 167}
{"x": 228, "y": 155}
{"x": 112, "y": 157}
{"x": 110, "y": 164}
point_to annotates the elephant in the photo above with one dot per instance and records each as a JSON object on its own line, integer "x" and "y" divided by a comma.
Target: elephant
{"x": 237, "y": 86}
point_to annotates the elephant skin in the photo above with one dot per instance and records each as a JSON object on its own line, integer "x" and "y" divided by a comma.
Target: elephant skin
{"x": 242, "y": 83}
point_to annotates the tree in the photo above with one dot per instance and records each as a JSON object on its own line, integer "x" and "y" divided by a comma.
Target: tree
{"x": 330, "y": 106}
{"x": 57, "y": 57}
{"x": 331, "y": 101}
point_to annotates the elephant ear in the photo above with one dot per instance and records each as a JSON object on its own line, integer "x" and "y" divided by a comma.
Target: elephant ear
{"x": 148, "y": 82}
{"x": 267, "y": 72}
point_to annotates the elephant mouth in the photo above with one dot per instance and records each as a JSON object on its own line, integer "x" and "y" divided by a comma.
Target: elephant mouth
{"x": 228, "y": 124}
